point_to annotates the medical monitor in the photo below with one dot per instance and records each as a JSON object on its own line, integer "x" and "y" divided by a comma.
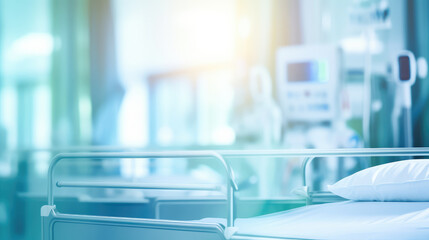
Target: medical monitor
{"x": 307, "y": 81}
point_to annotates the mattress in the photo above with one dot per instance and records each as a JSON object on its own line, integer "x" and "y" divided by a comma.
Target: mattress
{"x": 343, "y": 220}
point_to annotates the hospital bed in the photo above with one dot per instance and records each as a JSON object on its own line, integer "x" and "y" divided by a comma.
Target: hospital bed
{"x": 338, "y": 220}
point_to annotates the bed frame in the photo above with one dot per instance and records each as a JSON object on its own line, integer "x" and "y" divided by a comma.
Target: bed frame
{"x": 56, "y": 225}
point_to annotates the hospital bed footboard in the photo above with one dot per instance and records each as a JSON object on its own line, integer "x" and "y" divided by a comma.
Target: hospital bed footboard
{"x": 56, "y": 225}
{"x": 72, "y": 227}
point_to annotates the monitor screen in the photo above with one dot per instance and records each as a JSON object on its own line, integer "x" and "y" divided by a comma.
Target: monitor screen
{"x": 404, "y": 68}
{"x": 311, "y": 71}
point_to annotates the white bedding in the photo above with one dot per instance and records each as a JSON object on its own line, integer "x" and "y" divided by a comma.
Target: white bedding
{"x": 344, "y": 220}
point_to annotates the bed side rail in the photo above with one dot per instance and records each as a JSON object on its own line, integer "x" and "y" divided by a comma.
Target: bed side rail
{"x": 310, "y": 154}
{"x": 230, "y": 179}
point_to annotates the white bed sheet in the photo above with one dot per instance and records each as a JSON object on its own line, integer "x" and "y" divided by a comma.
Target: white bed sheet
{"x": 344, "y": 220}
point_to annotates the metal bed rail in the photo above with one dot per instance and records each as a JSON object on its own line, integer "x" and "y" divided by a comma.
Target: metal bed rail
{"x": 230, "y": 181}
{"x": 310, "y": 154}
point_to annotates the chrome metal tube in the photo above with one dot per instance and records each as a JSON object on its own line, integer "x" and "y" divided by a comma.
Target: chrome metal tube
{"x": 230, "y": 202}
{"x": 341, "y": 152}
{"x": 306, "y": 162}
{"x": 160, "y": 186}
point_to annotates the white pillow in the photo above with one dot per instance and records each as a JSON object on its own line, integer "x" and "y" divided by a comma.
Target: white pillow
{"x": 397, "y": 181}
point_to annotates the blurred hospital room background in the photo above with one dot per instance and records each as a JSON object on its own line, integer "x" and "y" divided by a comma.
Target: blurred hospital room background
{"x": 155, "y": 75}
